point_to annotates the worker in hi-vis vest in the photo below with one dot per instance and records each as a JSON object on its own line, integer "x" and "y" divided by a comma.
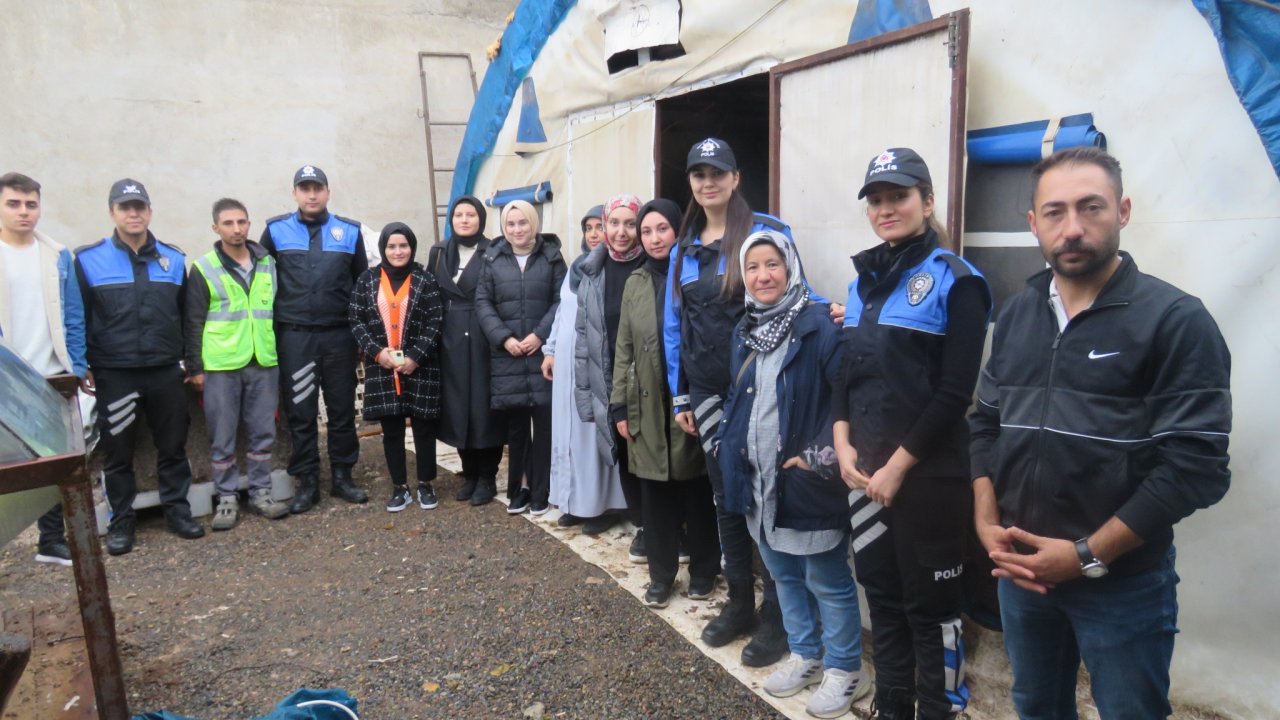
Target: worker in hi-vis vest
{"x": 231, "y": 357}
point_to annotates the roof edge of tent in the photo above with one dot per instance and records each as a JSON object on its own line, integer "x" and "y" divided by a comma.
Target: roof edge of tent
{"x": 531, "y": 25}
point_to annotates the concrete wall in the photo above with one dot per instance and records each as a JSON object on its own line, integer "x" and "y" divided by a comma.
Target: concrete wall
{"x": 226, "y": 97}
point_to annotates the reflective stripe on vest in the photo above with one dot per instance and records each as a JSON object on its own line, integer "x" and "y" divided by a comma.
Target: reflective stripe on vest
{"x": 238, "y": 327}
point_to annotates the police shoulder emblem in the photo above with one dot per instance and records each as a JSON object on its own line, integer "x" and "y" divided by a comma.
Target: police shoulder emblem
{"x": 918, "y": 287}
{"x": 336, "y": 233}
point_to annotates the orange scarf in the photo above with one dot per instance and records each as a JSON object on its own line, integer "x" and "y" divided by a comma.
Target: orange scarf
{"x": 394, "y": 309}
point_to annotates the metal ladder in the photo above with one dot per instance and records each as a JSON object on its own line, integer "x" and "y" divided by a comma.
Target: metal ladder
{"x": 448, "y": 92}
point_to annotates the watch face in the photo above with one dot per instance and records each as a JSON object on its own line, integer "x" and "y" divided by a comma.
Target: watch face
{"x": 1095, "y": 571}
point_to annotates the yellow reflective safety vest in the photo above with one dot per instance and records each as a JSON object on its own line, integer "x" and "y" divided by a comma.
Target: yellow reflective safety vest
{"x": 239, "y": 326}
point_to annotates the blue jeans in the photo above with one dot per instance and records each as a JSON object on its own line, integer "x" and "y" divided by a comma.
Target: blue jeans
{"x": 1122, "y": 627}
{"x": 818, "y": 586}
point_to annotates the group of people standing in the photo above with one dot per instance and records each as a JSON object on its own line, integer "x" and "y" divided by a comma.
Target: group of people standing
{"x": 683, "y": 374}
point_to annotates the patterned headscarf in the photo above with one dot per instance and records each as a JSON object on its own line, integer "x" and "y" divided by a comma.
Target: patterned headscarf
{"x": 613, "y": 203}
{"x": 765, "y": 326}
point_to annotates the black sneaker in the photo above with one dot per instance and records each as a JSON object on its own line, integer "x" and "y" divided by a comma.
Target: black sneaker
{"x": 658, "y": 595}
{"x": 56, "y": 553}
{"x": 636, "y": 552}
{"x": 567, "y": 520}
{"x": 519, "y": 502}
{"x": 399, "y": 498}
{"x": 539, "y": 507}
{"x": 427, "y": 496}
{"x": 701, "y": 588}
{"x": 599, "y": 524}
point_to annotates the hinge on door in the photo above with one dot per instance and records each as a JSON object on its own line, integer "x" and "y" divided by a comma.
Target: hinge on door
{"x": 953, "y": 47}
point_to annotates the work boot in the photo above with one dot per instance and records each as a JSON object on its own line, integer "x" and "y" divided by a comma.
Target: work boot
{"x": 893, "y": 704}
{"x": 183, "y": 525}
{"x": 467, "y": 489}
{"x": 344, "y": 487}
{"x": 227, "y": 514}
{"x": 769, "y": 642}
{"x": 486, "y": 490}
{"x": 307, "y": 494}
{"x": 737, "y": 617}
{"x": 120, "y": 537}
{"x": 261, "y": 503}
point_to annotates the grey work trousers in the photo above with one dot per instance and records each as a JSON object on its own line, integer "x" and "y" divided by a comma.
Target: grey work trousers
{"x": 249, "y": 394}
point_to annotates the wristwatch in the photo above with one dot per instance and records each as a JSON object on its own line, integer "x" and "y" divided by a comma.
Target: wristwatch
{"x": 1090, "y": 566}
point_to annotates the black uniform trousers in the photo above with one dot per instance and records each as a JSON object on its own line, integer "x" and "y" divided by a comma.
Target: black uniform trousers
{"x": 909, "y": 558}
{"x": 669, "y": 506}
{"x": 315, "y": 360}
{"x": 480, "y": 462}
{"x": 735, "y": 538}
{"x": 125, "y": 395}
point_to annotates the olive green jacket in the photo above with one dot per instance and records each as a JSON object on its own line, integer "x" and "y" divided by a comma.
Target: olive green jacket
{"x": 659, "y": 449}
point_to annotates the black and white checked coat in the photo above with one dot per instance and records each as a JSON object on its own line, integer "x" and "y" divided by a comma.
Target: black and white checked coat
{"x": 420, "y": 392}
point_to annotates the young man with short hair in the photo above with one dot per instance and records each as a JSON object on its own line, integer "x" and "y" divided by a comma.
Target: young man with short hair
{"x": 134, "y": 290}
{"x": 231, "y": 357}
{"x": 36, "y": 272}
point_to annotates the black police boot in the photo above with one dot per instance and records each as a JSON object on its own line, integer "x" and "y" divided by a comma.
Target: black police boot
{"x": 467, "y": 489}
{"x": 486, "y": 490}
{"x": 181, "y": 523}
{"x": 120, "y": 537}
{"x": 894, "y": 704}
{"x": 769, "y": 642}
{"x": 737, "y": 617}
{"x": 306, "y": 495}
{"x": 344, "y": 487}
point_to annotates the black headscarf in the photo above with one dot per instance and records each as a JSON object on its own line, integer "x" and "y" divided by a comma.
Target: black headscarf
{"x": 397, "y": 275}
{"x": 478, "y": 235}
{"x": 669, "y": 210}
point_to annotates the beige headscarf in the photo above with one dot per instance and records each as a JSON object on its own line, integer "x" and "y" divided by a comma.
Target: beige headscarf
{"x": 526, "y": 209}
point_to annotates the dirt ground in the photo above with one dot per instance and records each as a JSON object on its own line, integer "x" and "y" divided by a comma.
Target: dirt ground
{"x": 455, "y": 612}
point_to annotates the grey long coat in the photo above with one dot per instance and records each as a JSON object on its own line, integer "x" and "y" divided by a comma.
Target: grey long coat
{"x": 512, "y": 303}
{"x": 593, "y": 358}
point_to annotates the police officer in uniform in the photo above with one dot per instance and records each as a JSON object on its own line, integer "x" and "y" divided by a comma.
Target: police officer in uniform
{"x": 134, "y": 289}
{"x": 318, "y": 258}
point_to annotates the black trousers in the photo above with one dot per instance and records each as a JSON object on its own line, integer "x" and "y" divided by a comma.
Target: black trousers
{"x": 631, "y": 485}
{"x": 529, "y": 447}
{"x": 909, "y": 559}
{"x": 311, "y": 362}
{"x": 159, "y": 395}
{"x": 424, "y": 444}
{"x": 480, "y": 462}
{"x": 670, "y": 505}
{"x": 735, "y": 538}
{"x": 52, "y": 528}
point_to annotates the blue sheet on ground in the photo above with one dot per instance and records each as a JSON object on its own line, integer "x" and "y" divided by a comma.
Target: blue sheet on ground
{"x": 304, "y": 704}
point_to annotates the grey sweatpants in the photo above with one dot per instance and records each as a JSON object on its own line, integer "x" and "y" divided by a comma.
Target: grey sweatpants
{"x": 251, "y": 394}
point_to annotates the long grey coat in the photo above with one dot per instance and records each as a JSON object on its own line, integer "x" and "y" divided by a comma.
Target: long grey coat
{"x": 593, "y": 358}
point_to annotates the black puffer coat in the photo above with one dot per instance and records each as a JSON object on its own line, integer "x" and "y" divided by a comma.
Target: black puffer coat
{"x": 512, "y": 303}
{"x": 419, "y": 392}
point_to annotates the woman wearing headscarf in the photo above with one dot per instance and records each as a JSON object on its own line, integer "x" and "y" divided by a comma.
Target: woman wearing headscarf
{"x": 604, "y": 276}
{"x": 395, "y": 315}
{"x": 467, "y": 421}
{"x": 781, "y": 474}
{"x": 516, "y": 302}
{"x": 674, "y": 488}
{"x": 914, "y": 333}
{"x": 583, "y": 485}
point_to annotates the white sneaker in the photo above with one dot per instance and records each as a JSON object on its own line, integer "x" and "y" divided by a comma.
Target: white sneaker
{"x": 837, "y": 693}
{"x": 795, "y": 675}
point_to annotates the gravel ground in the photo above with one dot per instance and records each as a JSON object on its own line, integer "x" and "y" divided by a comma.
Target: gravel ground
{"x": 455, "y": 612}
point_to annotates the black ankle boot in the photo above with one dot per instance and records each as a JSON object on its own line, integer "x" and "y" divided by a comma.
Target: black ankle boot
{"x": 769, "y": 642}
{"x": 486, "y": 490}
{"x": 120, "y": 537}
{"x": 894, "y": 704}
{"x": 467, "y": 489}
{"x": 737, "y": 617}
{"x": 306, "y": 495}
{"x": 344, "y": 487}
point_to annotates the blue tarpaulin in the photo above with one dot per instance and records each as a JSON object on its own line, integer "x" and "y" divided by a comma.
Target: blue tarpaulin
{"x": 874, "y": 17}
{"x": 524, "y": 38}
{"x": 1021, "y": 144}
{"x": 304, "y": 704}
{"x": 1248, "y": 33}
{"x": 533, "y": 194}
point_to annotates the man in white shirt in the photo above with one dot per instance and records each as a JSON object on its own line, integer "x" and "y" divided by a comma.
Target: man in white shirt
{"x": 41, "y": 314}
